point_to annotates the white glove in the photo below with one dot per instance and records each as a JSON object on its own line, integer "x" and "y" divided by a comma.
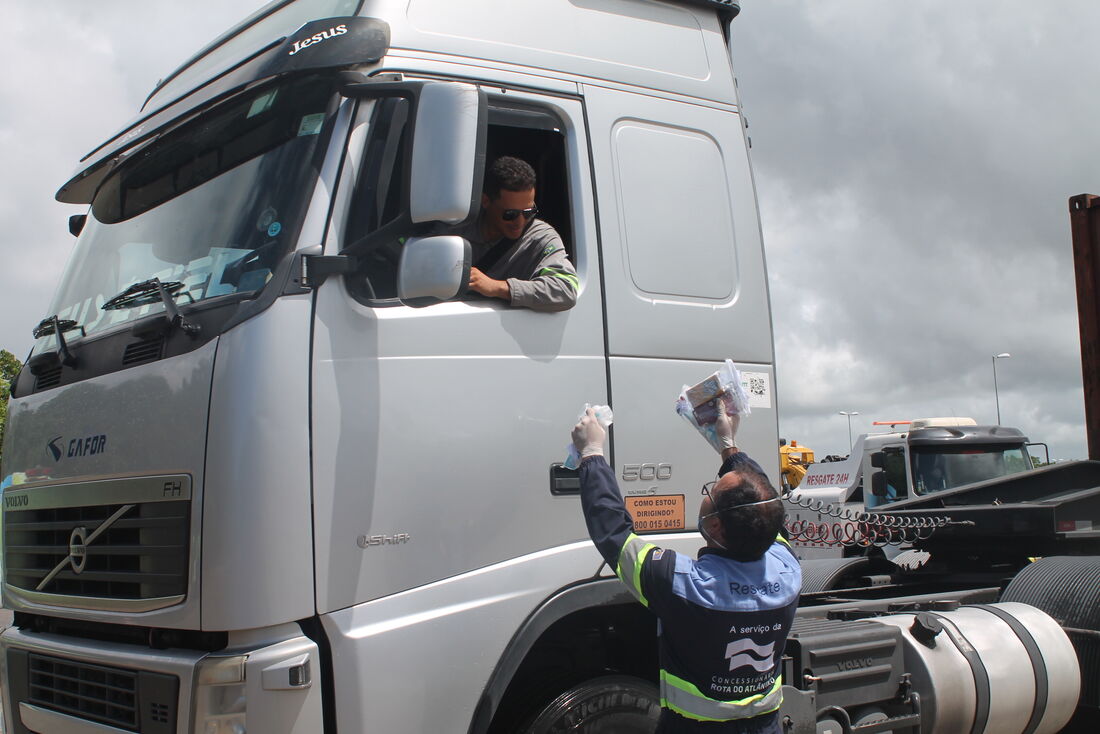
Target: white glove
{"x": 726, "y": 427}
{"x": 589, "y": 435}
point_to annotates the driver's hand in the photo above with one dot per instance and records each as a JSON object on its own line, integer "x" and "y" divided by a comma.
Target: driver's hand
{"x": 589, "y": 435}
{"x": 486, "y": 286}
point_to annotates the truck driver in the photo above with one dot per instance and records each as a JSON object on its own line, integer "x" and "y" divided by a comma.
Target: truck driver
{"x": 516, "y": 256}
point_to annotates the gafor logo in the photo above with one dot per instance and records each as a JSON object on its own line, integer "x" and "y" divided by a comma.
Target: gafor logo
{"x": 76, "y": 447}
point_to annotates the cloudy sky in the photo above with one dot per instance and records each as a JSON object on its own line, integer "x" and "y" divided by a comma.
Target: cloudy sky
{"x": 913, "y": 162}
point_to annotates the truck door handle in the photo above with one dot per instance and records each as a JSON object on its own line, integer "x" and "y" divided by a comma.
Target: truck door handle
{"x": 564, "y": 481}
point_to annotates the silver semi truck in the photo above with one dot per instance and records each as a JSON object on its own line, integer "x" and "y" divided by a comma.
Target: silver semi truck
{"x": 267, "y": 468}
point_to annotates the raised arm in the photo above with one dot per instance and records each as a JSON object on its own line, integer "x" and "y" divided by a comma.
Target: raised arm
{"x": 609, "y": 524}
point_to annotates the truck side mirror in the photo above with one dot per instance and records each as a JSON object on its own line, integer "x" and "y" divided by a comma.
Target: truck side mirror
{"x": 448, "y": 152}
{"x": 76, "y": 224}
{"x": 878, "y": 459}
{"x": 433, "y": 269}
{"x": 878, "y": 483}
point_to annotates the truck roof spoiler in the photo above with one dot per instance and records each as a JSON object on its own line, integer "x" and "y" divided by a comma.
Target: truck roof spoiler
{"x": 354, "y": 41}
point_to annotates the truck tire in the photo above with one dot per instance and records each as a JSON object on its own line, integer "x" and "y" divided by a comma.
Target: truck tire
{"x": 1068, "y": 589}
{"x": 613, "y": 704}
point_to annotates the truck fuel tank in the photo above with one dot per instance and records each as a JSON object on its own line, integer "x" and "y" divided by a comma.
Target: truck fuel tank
{"x": 1004, "y": 668}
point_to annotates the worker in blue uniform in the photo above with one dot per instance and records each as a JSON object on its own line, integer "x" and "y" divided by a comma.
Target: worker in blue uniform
{"x": 723, "y": 617}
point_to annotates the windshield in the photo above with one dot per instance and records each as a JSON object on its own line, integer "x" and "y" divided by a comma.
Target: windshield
{"x": 937, "y": 469}
{"x": 212, "y": 205}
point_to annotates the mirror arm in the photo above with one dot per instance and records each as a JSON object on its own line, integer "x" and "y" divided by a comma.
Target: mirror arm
{"x": 319, "y": 267}
{"x": 376, "y": 87}
{"x": 76, "y": 224}
{"x": 400, "y": 227}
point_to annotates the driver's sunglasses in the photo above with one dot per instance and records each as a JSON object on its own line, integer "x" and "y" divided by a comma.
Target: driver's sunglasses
{"x": 509, "y": 214}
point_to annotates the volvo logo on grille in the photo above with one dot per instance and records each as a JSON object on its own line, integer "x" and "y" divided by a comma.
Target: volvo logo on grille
{"x": 79, "y": 540}
{"x": 78, "y": 549}
{"x": 17, "y": 500}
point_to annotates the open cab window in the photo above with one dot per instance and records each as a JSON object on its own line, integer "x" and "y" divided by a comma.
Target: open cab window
{"x": 527, "y": 132}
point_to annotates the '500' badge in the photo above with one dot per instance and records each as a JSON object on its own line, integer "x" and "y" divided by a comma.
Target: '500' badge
{"x": 646, "y": 472}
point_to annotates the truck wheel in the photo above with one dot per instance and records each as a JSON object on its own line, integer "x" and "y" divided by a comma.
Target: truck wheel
{"x": 614, "y": 704}
{"x": 1068, "y": 589}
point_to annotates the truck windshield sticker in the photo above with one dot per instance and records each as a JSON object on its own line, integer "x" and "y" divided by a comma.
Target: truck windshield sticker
{"x": 311, "y": 124}
{"x": 262, "y": 103}
{"x": 660, "y": 512}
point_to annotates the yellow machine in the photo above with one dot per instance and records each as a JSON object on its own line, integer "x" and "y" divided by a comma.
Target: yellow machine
{"x": 793, "y": 460}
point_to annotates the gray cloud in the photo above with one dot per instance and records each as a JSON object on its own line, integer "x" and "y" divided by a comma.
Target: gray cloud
{"x": 75, "y": 74}
{"x": 913, "y": 163}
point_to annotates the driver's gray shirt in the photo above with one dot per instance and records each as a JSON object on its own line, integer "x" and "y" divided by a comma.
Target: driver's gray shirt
{"x": 537, "y": 268}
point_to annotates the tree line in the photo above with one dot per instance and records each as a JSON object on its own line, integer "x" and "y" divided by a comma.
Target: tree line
{"x": 9, "y": 368}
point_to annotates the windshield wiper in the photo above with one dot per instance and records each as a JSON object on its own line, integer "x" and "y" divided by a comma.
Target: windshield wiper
{"x": 55, "y": 325}
{"x": 151, "y": 291}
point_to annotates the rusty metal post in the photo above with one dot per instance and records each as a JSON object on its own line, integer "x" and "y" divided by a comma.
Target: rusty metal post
{"x": 1084, "y": 218}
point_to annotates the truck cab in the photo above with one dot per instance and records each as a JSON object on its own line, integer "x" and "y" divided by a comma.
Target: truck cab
{"x": 932, "y": 455}
{"x": 270, "y": 467}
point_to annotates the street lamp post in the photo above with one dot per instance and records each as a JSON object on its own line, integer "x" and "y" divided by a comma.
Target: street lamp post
{"x": 996, "y": 393}
{"x": 849, "y": 413}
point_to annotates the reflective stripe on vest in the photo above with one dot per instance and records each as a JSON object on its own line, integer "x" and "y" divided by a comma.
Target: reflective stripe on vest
{"x": 630, "y": 565}
{"x": 685, "y": 699}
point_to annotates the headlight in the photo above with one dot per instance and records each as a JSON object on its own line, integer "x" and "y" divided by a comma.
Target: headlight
{"x": 220, "y": 701}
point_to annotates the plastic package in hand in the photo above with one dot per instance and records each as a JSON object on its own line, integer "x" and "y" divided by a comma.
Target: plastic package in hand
{"x": 699, "y": 404}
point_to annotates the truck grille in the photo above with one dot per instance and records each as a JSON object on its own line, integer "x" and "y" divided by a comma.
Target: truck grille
{"x": 131, "y": 700}
{"x": 142, "y": 554}
{"x": 106, "y": 695}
